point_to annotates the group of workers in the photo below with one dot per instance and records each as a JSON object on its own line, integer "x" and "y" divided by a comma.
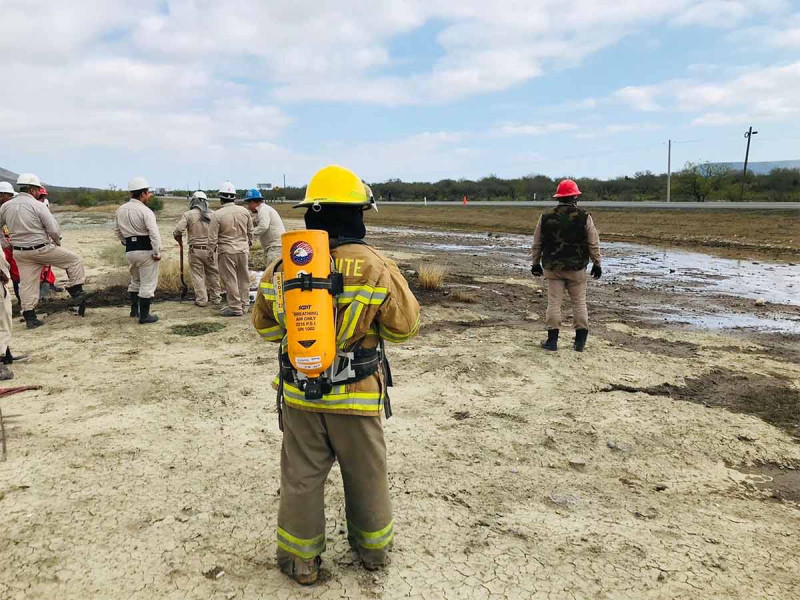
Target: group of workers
{"x": 218, "y": 242}
{"x": 372, "y": 304}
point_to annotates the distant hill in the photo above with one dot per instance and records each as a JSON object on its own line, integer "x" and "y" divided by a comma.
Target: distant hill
{"x": 763, "y": 168}
{"x": 9, "y": 176}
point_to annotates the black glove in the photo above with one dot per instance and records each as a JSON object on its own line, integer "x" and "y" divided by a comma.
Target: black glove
{"x": 536, "y": 270}
{"x": 597, "y": 272}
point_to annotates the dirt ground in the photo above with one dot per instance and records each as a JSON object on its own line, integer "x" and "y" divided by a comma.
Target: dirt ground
{"x": 660, "y": 463}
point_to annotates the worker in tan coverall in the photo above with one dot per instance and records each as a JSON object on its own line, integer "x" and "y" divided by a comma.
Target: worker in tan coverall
{"x": 230, "y": 235}
{"x": 135, "y": 226}
{"x": 565, "y": 241}
{"x": 6, "y": 358}
{"x": 36, "y": 239}
{"x": 202, "y": 263}
{"x": 344, "y": 425}
{"x": 268, "y": 225}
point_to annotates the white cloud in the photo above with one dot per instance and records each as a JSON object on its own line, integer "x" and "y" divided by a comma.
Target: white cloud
{"x": 515, "y": 129}
{"x": 770, "y": 93}
{"x": 727, "y": 13}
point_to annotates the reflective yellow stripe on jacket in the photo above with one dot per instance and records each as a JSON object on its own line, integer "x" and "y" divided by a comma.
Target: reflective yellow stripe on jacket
{"x": 338, "y": 400}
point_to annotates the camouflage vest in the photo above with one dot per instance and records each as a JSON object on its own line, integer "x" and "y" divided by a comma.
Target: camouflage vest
{"x": 565, "y": 246}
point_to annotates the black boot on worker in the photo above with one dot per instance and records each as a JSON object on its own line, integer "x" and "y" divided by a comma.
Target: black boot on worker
{"x": 134, "y": 296}
{"x": 9, "y": 358}
{"x": 144, "y": 312}
{"x": 31, "y": 322}
{"x": 552, "y": 340}
{"x": 79, "y": 296}
{"x": 580, "y": 339}
{"x": 304, "y": 572}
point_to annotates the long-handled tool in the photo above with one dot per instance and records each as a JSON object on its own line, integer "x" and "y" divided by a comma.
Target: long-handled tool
{"x": 184, "y": 287}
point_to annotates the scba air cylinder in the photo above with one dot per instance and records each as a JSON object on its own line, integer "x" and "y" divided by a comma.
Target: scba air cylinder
{"x": 309, "y": 310}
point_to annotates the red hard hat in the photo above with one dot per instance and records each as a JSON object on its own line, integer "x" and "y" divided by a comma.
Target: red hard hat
{"x": 43, "y": 191}
{"x": 567, "y": 188}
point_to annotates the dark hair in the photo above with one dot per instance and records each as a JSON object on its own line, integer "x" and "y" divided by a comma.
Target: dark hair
{"x": 28, "y": 188}
{"x": 139, "y": 193}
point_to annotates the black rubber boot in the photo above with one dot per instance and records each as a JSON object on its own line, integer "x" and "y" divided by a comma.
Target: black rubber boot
{"x": 580, "y": 339}
{"x": 134, "y": 296}
{"x": 30, "y": 319}
{"x": 79, "y": 296}
{"x": 552, "y": 340}
{"x": 144, "y": 312}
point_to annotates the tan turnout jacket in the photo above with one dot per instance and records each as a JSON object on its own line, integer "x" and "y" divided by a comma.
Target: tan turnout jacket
{"x": 376, "y": 303}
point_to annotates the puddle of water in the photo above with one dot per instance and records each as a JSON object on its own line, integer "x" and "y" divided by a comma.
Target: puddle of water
{"x": 643, "y": 266}
{"x": 734, "y": 321}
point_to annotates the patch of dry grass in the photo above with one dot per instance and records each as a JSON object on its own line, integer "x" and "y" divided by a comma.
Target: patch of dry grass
{"x": 169, "y": 276}
{"x": 114, "y": 255}
{"x": 431, "y": 277}
{"x": 465, "y": 296}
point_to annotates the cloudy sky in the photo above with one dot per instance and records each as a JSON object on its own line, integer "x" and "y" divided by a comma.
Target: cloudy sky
{"x": 194, "y": 91}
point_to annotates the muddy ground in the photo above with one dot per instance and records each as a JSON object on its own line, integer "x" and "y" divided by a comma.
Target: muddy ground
{"x": 660, "y": 463}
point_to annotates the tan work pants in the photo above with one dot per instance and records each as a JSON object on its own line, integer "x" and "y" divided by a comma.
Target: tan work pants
{"x": 205, "y": 276}
{"x": 236, "y": 279}
{"x": 311, "y": 442}
{"x": 30, "y": 263}
{"x": 574, "y": 282}
{"x": 5, "y": 319}
{"x": 144, "y": 272}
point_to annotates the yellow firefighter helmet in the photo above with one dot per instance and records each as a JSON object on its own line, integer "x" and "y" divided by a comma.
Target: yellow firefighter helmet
{"x": 336, "y": 185}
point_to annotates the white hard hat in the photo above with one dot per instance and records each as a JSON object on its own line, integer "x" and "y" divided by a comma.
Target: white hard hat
{"x": 28, "y": 179}
{"x": 199, "y": 194}
{"x": 227, "y": 188}
{"x": 6, "y": 188}
{"x": 137, "y": 183}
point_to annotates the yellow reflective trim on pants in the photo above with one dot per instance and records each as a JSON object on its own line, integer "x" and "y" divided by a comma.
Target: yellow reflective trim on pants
{"x": 372, "y": 540}
{"x": 304, "y": 548}
{"x": 391, "y": 336}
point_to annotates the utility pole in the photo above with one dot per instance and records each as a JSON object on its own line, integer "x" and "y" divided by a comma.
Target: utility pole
{"x": 669, "y": 169}
{"x": 750, "y": 133}
{"x": 284, "y": 182}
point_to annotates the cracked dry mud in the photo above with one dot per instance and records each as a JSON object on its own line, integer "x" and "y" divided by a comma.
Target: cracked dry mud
{"x": 147, "y": 466}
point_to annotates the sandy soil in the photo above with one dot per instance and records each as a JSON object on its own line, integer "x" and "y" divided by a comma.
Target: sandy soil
{"x": 660, "y": 463}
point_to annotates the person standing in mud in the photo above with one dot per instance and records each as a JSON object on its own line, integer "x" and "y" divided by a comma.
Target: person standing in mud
{"x": 36, "y": 240}
{"x": 230, "y": 235}
{"x": 135, "y": 226}
{"x": 564, "y": 241}
{"x": 268, "y": 225}
{"x": 343, "y": 425}
{"x": 202, "y": 262}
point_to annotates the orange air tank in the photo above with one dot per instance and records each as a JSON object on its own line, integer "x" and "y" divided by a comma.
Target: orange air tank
{"x": 310, "y": 324}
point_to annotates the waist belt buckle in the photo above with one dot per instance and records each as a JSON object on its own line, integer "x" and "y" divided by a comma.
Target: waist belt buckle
{"x": 343, "y": 367}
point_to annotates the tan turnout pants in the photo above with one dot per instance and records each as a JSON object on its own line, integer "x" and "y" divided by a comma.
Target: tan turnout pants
{"x": 5, "y": 319}
{"x": 236, "y": 279}
{"x": 574, "y": 282}
{"x": 311, "y": 442}
{"x": 205, "y": 276}
{"x": 30, "y": 263}
{"x": 144, "y": 272}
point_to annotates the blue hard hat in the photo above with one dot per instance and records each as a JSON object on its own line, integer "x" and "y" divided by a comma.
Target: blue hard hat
{"x": 253, "y": 194}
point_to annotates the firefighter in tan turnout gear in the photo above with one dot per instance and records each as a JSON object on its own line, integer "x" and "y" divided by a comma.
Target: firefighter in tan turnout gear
{"x": 36, "y": 240}
{"x": 135, "y": 226}
{"x": 230, "y": 235}
{"x": 202, "y": 262}
{"x": 343, "y": 422}
{"x": 565, "y": 241}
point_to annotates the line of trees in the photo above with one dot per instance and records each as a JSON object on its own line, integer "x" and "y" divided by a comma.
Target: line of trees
{"x": 696, "y": 182}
